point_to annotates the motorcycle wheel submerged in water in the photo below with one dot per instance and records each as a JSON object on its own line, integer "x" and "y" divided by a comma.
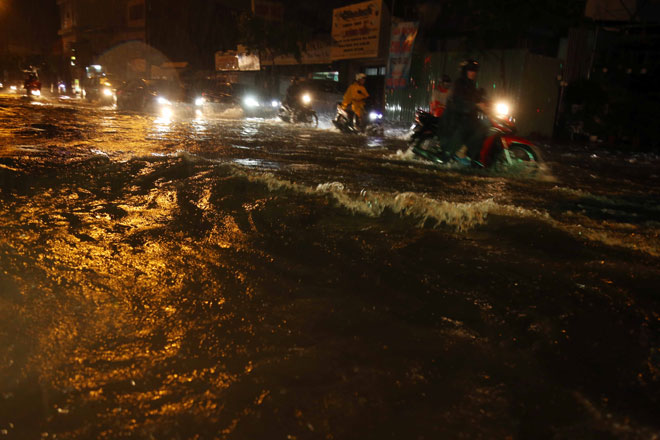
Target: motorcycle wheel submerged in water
{"x": 501, "y": 150}
{"x": 299, "y": 116}
{"x": 506, "y": 155}
{"x": 345, "y": 122}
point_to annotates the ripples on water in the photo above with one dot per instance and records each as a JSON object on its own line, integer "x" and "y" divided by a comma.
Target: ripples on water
{"x": 245, "y": 279}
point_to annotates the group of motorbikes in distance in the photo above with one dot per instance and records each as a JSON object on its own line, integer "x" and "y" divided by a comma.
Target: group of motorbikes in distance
{"x": 501, "y": 148}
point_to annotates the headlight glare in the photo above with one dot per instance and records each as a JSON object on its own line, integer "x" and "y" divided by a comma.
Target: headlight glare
{"x": 502, "y": 109}
{"x": 251, "y": 101}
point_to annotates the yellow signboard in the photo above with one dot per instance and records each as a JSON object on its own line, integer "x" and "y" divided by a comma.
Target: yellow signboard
{"x": 356, "y": 30}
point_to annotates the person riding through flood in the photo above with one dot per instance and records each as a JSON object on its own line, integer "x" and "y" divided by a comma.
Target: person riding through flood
{"x": 291, "y": 98}
{"x": 355, "y": 99}
{"x": 461, "y": 122}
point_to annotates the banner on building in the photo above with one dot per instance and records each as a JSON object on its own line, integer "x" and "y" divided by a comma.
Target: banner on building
{"x": 401, "y": 46}
{"x": 226, "y": 60}
{"x": 240, "y": 59}
{"x": 356, "y": 30}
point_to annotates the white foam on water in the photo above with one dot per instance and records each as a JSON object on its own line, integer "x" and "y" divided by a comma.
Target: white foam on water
{"x": 461, "y": 216}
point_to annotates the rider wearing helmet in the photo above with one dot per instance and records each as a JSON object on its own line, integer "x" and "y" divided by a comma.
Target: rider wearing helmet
{"x": 355, "y": 98}
{"x": 463, "y": 106}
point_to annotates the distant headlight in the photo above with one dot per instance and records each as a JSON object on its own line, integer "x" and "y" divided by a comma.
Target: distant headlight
{"x": 162, "y": 101}
{"x": 36, "y": 92}
{"x": 1, "y": 85}
{"x": 502, "y": 109}
{"x": 12, "y": 88}
{"x": 275, "y": 103}
{"x": 306, "y": 98}
{"x": 107, "y": 91}
{"x": 199, "y": 101}
{"x": 375, "y": 115}
{"x": 251, "y": 101}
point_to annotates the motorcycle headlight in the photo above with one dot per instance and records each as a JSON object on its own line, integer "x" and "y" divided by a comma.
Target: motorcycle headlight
{"x": 107, "y": 91}
{"x": 199, "y": 101}
{"x": 502, "y": 109}
{"x": 375, "y": 115}
{"x": 275, "y": 103}
{"x": 36, "y": 92}
{"x": 306, "y": 99}
{"x": 163, "y": 101}
{"x": 251, "y": 101}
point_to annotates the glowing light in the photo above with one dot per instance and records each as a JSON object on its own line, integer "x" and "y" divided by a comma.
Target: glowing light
{"x": 502, "y": 109}
{"x": 251, "y": 101}
{"x": 275, "y": 103}
{"x": 107, "y": 92}
{"x": 199, "y": 102}
{"x": 306, "y": 98}
{"x": 163, "y": 101}
{"x": 375, "y": 115}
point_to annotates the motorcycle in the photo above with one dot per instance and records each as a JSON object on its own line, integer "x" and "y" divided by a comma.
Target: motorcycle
{"x": 500, "y": 149}
{"x": 302, "y": 112}
{"x": 32, "y": 86}
{"x": 346, "y": 121}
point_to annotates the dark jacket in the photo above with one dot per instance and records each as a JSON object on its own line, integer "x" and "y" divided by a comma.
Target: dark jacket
{"x": 464, "y": 97}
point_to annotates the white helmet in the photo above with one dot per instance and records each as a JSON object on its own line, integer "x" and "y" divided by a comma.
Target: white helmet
{"x": 360, "y": 76}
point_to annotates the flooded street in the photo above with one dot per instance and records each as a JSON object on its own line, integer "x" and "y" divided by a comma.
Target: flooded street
{"x": 220, "y": 277}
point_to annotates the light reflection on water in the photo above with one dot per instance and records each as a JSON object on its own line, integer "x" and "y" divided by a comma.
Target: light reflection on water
{"x": 169, "y": 297}
{"x": 257, "y": 163}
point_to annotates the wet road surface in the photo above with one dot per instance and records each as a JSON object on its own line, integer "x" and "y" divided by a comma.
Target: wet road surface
{"x": 231, "y": 278}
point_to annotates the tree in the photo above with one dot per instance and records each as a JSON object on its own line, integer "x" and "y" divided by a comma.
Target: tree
{"x": 273, "y": 38}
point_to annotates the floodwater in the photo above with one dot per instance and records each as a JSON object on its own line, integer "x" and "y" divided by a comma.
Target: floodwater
{"x": 233, "y": 278}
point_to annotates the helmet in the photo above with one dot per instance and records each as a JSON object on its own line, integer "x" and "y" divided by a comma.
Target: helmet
{"x": 360, "y": 76}
{"x": 470, "y": 65}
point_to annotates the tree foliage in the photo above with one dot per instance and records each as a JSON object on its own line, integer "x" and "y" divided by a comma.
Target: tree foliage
{"x": 273, "y": 37}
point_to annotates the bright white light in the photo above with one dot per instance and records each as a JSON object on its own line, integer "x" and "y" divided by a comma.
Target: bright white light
{"x": 12, "y": 88}
{"x": 502, "y": 109}
{"x": 199, "y": 102}
{"x": 251, "y": 101}
{"x": 163, "y": 101}
{"x": 36, "y": 92}
{"x": 275, "y": 103}
{"x": 166, "y": 113}
{"x": 375, "y": 115}
{"x": 306, "y": 98}
{"x": 107, "y": 92}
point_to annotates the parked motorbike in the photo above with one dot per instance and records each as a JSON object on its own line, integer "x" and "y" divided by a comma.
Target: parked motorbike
{"x": 346, "y": 121}
{"x": 500, "y": 149}
{"x": 301, "y": 112}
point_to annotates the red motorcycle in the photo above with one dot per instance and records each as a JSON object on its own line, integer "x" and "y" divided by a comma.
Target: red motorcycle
{"x": 500, "y": 149}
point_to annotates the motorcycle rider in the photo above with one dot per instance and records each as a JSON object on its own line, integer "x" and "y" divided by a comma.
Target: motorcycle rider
{"x": 461, "y": 115}
{"x": 355, "y": 99}
{"x": 32, "y": 80}
{"x": 439, "y": 95}
{"x": 291, "y": 98}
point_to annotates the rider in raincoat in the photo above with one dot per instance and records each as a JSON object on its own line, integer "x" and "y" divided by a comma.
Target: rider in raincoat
{"x": 355, "y": 98}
